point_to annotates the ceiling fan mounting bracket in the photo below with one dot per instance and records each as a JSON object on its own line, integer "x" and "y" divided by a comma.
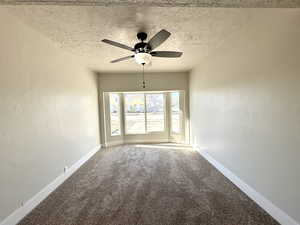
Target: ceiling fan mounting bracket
{"x": 142, "y": 36}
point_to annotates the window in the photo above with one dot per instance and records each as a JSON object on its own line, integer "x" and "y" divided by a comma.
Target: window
{"x": 155, "y": 112}
{"x": 175, "y": 112}
{"x": 115, "y": 121}
{"x": 135, "y": 113}
{"x": 144, "y": 113}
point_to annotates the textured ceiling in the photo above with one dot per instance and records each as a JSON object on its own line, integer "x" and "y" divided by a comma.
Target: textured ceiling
{"x": 166, "y": 3}
{"x": 80, "y": 29}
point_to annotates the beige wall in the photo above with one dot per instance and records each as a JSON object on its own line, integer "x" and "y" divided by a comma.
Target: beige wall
{"x": 133, "y": 81}
{"x": 48, "y": 112}
{"x": 245, "y": 106}
{"x": 122, "y": 82}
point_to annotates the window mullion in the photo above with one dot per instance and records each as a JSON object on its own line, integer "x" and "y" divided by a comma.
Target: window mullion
{"x": 122, "y": 110}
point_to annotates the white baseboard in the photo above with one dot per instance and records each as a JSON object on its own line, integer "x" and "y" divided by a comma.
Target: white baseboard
{"x": 28, "y": 206}
{"x": 278, "y": 214}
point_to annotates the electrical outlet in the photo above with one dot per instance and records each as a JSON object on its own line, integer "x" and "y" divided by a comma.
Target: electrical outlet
{"x": 65, "y": 169}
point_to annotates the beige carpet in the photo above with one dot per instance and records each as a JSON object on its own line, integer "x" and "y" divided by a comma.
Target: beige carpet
{"x": 147, "y": 185}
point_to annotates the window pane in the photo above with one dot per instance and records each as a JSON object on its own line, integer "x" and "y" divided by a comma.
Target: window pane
{"x": 155, "y": 112}
{"x": 175, "y": 112}
{"x": 114, "y": 105}
{"x": 134, "y": 113}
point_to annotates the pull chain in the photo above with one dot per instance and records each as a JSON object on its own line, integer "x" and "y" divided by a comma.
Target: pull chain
{"x": 144, "y": 84}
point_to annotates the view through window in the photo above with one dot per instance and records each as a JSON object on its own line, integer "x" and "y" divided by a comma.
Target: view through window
{"x": 175, "y": 112}
{"x": 144, "y": 112}
{"x": 155, "y": 108}
{"x": 135, "y": 113}
{"x": 115, "y": 120}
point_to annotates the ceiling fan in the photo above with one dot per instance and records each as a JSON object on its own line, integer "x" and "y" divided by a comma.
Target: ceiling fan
{"x": 143, "y": 51}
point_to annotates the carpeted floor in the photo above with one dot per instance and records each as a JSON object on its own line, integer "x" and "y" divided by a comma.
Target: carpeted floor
{"x": 147, "y": 185}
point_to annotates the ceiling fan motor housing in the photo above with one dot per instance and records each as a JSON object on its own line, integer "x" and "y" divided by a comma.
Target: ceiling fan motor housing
{"x": 142, "y": 47}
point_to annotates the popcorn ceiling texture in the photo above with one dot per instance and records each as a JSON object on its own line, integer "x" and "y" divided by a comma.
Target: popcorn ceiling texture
{"x": 148, "y": 185}
{"x": 168, "y": 3}
{"x": 80, "y": 29}
{"x": 197, "y": 32}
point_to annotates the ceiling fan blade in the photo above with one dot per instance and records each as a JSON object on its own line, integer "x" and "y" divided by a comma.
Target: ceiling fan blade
{"x": 166, "y": 54}
{"x": 159, "y": 38}
{"x": 116, "y": 44}
{"x": 122, "y": 59}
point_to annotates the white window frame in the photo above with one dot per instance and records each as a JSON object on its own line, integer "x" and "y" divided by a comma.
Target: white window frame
{"x": 165, "y": 136}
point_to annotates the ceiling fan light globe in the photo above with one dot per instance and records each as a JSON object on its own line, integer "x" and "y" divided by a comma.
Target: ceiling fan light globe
{"x": 143, "y": 58}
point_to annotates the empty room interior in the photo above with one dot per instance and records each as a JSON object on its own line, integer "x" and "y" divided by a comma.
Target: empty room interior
{"x": 137, "y": 112}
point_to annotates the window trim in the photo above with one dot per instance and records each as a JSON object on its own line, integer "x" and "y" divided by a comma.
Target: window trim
{"x": 166, "y": 136}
